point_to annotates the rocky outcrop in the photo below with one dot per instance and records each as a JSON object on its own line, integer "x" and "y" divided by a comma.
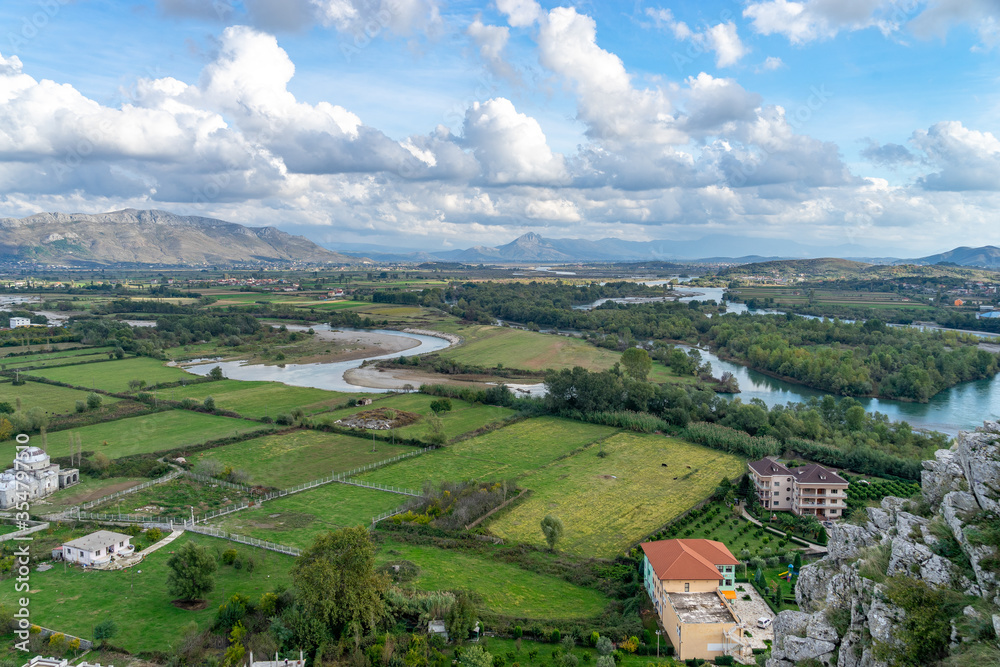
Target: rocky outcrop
{"x": 845, "y": 616}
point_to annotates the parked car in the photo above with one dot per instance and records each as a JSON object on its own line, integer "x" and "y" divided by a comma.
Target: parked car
{"x": 763, "y": 622}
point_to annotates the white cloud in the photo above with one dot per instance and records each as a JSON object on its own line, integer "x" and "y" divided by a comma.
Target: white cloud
{"x": 771, "y": 63}
{"x": 966, "y": 159}
{"x": 722, "y": 38}
{"x": 520, "y": 13}
{"x": 612, "y": 109}
{"x": 807, "y": 21}
{"x": 511, "y": 146}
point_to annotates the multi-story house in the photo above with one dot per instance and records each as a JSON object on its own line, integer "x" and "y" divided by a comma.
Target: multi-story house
{"x": 691, "y": 584}
{"x": 808, "y": 490}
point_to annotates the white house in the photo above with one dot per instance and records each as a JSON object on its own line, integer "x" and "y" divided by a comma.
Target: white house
{"x": 40, "y": 661}
{"x": 16, "y": 322}
{"x": 39, "y": 477}
{"x": 95, "y": 549}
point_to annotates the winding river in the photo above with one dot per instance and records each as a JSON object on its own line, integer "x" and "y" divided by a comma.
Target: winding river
{"x": 321, "y": 375}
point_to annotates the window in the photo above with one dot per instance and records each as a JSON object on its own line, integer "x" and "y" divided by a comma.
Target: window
{"x": 97, "y": 553}
{"x": 776, "y": 493}
{"x": 687, "y": 588}
{"x": 776, "y": 503}
{"x": 777, "y": 483}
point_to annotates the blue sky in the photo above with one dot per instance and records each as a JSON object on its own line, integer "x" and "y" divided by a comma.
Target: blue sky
{"x": 434, "y": 124}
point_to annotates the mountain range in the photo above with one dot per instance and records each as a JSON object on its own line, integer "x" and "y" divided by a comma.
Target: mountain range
{"x": 532, "y": 247}
{"x": 716, "y": 249}
{"x": 132, "y": 236}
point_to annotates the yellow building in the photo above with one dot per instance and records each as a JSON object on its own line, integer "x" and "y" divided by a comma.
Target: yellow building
{"x": 690, "y": 583}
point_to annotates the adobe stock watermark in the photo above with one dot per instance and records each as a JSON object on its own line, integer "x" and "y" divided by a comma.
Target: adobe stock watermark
{"x": 22, "y": 554}
{"x": 33, "y": 24}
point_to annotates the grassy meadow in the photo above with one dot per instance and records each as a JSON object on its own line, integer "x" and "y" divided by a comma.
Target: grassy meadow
{"x": 607, "y": 503}
{"x": 115, "y": 375}
{"x": 283, "y": 460}
{"x": 295, "y": 520}
{"x": 50, "y": 398}
{"x": 502, "y": 454}
{"x": 74, "y": 600}
{"x": 462, "y": 418}
{"x": 160, "y": 431}
{"x": 505, "y": 588}
{"x": 260, "y": 399}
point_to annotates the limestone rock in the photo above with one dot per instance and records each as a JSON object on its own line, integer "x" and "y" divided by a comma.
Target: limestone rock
{"x": 940, "y": 476}
{"x": 979, "y": 454}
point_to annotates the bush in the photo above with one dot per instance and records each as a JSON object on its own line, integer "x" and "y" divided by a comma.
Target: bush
{"x": 555, "y": 636}
{"x": 229, "y": 556}
{"x": 94, "y": 400}
{"x": 209, "y": 404}
{"x": 81, "y": 406}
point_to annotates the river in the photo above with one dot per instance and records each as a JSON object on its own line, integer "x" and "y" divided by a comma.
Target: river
{"x": 320, "y": 375}
{"x": 962, "y": 407}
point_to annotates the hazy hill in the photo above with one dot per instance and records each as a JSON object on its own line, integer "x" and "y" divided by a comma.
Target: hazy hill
{"x": 986, "y": 257}
{"x": 532, "y": 247}
{"x": 150, "y": 237}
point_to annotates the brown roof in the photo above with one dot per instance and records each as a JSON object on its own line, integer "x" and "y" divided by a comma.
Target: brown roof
{"x": 817, "y": 474}
{"x": 768, "y": 466}
{"x": 688, "y": 559}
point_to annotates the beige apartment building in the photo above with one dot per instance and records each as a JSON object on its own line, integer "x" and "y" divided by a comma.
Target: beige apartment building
{"x": 809, "y": 490}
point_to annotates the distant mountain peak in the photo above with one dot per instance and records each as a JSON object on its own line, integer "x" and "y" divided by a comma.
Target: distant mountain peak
{"x": 136, "y": 236}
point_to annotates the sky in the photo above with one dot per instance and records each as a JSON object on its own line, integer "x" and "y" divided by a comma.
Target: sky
{"x": 431, "y": 124}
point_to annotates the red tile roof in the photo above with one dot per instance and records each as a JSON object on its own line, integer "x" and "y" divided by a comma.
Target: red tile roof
{"x": 688, "y": 559}
{"x": 768, "y": 466}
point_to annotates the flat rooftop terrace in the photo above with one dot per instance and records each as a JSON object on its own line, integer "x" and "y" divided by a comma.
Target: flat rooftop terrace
{"x": 700, "y": 608}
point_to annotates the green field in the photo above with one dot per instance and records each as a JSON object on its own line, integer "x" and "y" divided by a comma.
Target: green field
{"x": 587, "y": 656}
{"x": 74, "y": 600}
{"x": 506, "y": 589}
{"x": 115, "y": 375}
{"x": 173, "y": 499}
{"x": 502, "y": 454}
{"x": 43, "y": 359}
{"x": 463, "y": 417}
{"x": 161, "y": 431}
{"x": 488, "y": 346}
{"x": 260, "y": 399}
{"x": 89, "y": 488}
{"x": 295, "y": 520}
{"x": 286, "y": 459}
{"x": 50, "y": 398}
{"x": 608, "y": 503}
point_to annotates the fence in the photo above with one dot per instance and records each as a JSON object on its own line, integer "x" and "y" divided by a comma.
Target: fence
{"x": 124, "y": 492}
{"x": 385, "y": 515}
{"x": 242, "y": 539}
{"x": 340, "y": 478}
{"x": 18, "y": 534}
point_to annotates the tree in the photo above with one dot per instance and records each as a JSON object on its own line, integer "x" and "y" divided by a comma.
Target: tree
{"x": 637, "y": 363}
{"x": 338, "y": 583}
{"x": 435, "y": 431}
{"x": 216, "y": 373}
{"x": 475, "y": 656}
{"x": 192, "y": 571}
{"x": 94, "y": 400}
{"x": 461, "y": 618}
{"x": 209, "y": 404}
{"x": 105, "y": 630}
{"x": 552, "y": 528}
{"x": 6, "y": 428}
{"x": 604, "y": 646}
{"x": 441, "y": 405}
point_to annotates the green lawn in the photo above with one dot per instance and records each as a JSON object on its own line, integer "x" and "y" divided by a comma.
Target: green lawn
{"x": 288, "y": 459}
{"x": 259, "y": 399}
{"x": 115, "y": 375}
{"x": 74, "y": 600}
{"x": 502, "y": 454}
{"x": 608, "y": 503}
{"x": 296, "y": 519}
{"x": 506, "y": 589}
{"x": 161, "y": 431}
{"x": 463, "y": 417}
{"x": 50, "y": 398}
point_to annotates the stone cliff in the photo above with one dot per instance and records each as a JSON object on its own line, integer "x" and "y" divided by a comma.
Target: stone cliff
{"x": 911, "y": 581}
